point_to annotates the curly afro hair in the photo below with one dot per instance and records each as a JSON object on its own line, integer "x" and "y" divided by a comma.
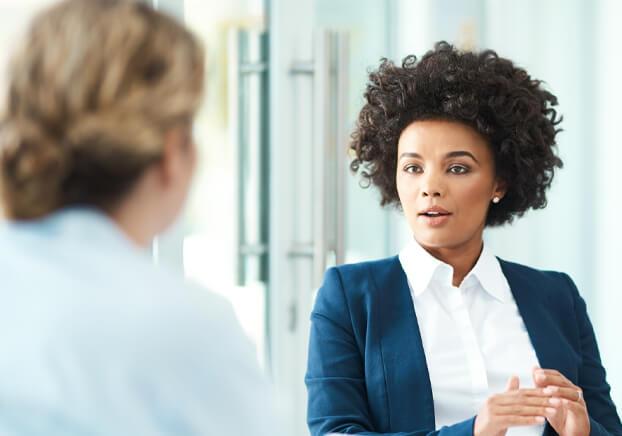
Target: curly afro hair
{"x": 489, "y": 93}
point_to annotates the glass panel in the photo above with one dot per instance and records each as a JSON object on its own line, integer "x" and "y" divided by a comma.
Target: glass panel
{"x": 366, "y": 23}
{"x": 366, "y": 224}
{"x": 225, "y": 223}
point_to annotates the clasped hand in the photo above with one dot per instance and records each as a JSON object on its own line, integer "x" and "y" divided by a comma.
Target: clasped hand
{"x": 554, "y": 399}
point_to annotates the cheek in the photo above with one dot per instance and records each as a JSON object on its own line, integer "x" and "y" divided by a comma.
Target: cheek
{"x": 406, "y": 191}
{"x": 473, "y": 199}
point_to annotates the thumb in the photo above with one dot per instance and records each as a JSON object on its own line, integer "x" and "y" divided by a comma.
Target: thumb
{"x": 512, "y": 384}
{"x": 533, "y": 373}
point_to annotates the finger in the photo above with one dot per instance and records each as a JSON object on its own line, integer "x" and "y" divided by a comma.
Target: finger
{"x": 535, "y": 370}
{"x": 516, "y": 421}
{"x": 575, "y": 407}
{"x": 510, "y": 397}
{"x": 524, "y": 401}
{"x": 572, "y": 394}
{"x": 528, "y": 392}
{"x": 522, "y": 410}
{"x": 550, "y": 371}
{"x": 512, "y": 384}
{"x": 544, "y": 377}
{"x": 556, "y": 418}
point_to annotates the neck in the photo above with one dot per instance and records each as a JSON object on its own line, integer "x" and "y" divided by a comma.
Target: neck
{"x": 141, "y": 214}
{"x": 462, "y": 258}
{"x": 137, "y": 218}
{"x": 134, "y": 229}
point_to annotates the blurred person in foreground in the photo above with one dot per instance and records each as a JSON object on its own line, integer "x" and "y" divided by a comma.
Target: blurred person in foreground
{"x": 96, "y": 158}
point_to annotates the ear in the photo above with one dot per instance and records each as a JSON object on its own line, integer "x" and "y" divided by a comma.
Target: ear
{"x": 500, "y": 188}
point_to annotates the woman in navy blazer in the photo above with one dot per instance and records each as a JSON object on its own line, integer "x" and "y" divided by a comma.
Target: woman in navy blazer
{"x": 460, "y": 141}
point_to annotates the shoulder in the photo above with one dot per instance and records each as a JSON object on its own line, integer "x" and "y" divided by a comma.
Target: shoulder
{"x": 164, "y": 301}
{"x": 533, "y": 273}
{"x": 365, "y": 271}
{"x": 553, "y": 283}
{"x": 362, "y": 276}
{"x": 353, "y": 285}
{"x": 540, "y": 274}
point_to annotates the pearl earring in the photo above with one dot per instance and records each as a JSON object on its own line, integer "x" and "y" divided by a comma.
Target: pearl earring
{"x": 496, "y": 200}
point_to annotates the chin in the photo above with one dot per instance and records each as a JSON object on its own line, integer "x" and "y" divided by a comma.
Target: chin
{"x": 442, "y": 240}
{"x": 437, "y": 239}
{"x": 436, "y": 243}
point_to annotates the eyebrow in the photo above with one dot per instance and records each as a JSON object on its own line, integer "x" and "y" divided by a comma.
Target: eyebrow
{"x": 447, "y": 156}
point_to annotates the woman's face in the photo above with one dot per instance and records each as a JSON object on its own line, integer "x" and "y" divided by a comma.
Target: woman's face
{"x": 446, "y": 182}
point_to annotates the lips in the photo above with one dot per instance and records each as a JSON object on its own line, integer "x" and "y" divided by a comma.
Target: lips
{"x": 434, "y": 211}
{"x": 435, "y": 216}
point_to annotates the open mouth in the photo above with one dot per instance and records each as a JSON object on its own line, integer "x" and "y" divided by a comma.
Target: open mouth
{"x": 435, "y": 216}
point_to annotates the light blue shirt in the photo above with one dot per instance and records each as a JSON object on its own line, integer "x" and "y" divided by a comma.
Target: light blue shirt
{"x": 95, "y": 340}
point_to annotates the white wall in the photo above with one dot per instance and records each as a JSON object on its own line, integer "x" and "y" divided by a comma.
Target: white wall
{"x": 560, "y": 236}
{"x": 608, "y": 205}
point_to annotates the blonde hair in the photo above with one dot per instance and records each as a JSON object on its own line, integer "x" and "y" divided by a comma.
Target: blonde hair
{"x": 91, "y": 93}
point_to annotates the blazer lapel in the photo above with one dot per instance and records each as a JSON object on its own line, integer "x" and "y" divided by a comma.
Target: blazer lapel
{"x": 536, "y": 307}
{"x": 406, "y": 373}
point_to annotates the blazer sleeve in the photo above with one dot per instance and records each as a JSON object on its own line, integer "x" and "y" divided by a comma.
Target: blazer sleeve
{"x": 335, "y": 379}
{"x": 604, "y": 419}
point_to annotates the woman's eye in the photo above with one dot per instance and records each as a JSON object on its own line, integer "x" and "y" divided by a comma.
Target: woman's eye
{"x": 413, "y": 169}
{"x": 458, "y": 169}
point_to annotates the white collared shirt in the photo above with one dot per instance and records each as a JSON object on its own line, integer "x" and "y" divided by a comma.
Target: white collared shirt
{"x": 473, "y": 335}
{"x": 95, "y": 340}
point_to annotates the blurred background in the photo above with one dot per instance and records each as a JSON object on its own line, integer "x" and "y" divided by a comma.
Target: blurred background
{"x": 274, "y": 204}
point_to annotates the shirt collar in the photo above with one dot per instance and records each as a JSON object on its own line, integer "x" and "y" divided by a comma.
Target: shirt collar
{"x": 488, "y": 272}
{"x": 422, "y": 270}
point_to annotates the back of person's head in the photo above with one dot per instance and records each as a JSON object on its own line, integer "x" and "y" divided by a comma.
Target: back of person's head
{"x": 92, "y": 93}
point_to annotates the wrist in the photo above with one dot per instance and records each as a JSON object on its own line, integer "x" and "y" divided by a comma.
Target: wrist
{"x": 477, "y": 427}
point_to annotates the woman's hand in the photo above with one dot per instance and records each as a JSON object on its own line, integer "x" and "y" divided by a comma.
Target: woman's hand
{"x": 512, "y": 408}
{"x": 570, "y": 417}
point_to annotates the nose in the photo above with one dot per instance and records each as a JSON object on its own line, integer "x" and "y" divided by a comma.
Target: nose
{"x": 432, "y": 185}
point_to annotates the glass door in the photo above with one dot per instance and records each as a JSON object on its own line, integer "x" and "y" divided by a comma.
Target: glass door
{"x": 320, "y": 54}
{"x": 221, "y": 241}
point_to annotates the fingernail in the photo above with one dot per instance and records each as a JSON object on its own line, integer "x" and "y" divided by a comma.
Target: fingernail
{"x": 555, "y": 401}
{"x": 549, "y": 390}
{"x": 550, "y": 411}
{"x": 540, "y": 419}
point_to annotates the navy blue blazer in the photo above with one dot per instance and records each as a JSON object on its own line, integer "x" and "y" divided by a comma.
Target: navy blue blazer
{"x": 367, "y": 372}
